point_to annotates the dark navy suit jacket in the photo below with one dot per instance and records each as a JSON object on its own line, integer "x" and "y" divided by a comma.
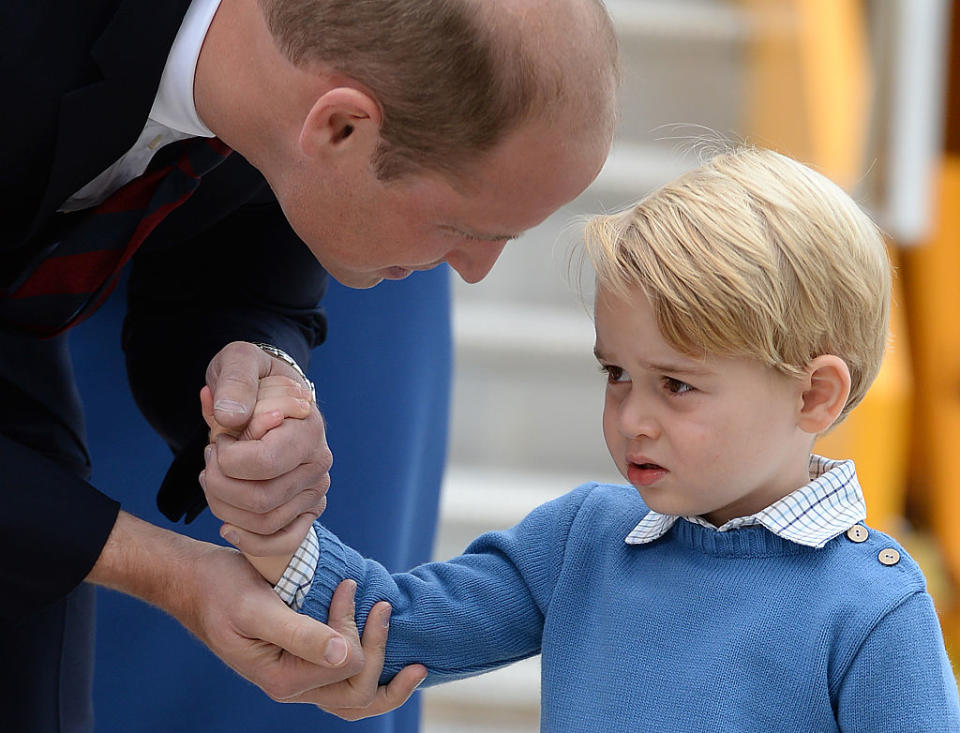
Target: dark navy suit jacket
{"x": 79, "y": 81}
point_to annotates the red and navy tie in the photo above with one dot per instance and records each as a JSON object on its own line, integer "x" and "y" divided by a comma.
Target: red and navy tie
{"x": 76, "y": 278}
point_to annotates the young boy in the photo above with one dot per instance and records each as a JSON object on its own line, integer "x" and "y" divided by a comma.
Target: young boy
{"x": 741, "y": 311}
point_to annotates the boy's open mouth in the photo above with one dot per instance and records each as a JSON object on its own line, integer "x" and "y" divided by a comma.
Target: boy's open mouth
{"x": 645, "y": 474}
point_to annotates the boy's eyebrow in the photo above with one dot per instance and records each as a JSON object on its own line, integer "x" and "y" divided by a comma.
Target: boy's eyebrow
{"x": 661, "y": 366}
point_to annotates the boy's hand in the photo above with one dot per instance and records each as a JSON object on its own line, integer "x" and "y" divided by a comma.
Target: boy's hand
{"x": 278, "y": 397}
{"x": 362, "y": 696}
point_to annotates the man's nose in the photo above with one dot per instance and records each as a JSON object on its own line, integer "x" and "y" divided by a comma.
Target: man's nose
{"x": 473, "y": 261}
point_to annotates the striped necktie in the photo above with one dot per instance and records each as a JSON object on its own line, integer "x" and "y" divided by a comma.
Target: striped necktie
{"x": 74, "y": 280}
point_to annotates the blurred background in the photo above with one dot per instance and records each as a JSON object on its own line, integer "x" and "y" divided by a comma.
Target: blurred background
{"x": 865, "y": 91}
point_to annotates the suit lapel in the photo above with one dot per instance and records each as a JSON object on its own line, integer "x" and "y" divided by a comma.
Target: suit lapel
{"x": 100, "y": 121}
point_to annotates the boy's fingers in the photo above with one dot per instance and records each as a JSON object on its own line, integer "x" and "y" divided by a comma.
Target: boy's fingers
{"x": 360, "y": 690}
{"x": 374, "y": 645}
{"x": 279, "y": 386}
{"x": 284, "y": 542}
{"x": 388, "y": 697}
{"x": 399, "y": 689}
{"x": 289, "y": 405}
{"x": 260, "y": 424}
{"x": 206, "y": 406}
{"x": 341, "y": 615}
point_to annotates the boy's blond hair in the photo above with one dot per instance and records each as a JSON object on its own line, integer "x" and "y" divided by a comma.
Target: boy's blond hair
{"x": 754, "y": 255}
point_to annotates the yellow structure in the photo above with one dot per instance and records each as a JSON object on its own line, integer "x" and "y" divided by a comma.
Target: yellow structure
{"x": 932, "y": 274}
{"x": 809, "y": 95}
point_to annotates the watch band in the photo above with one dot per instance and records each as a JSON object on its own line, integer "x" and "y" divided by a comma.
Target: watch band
{"x": 289, "y": 361}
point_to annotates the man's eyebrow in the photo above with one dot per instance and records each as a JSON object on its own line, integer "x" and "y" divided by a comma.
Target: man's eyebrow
{"x": 479, "y": 235}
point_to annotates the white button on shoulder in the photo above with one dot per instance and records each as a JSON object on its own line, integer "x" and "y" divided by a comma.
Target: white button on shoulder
{"x": 889, "y": 556}
{"x": 857, "y": 533}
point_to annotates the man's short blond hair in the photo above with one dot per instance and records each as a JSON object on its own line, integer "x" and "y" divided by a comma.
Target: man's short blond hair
{"x": 754, "y": 255}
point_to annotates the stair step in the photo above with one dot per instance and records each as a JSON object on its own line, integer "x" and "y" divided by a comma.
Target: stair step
{"x": 506, "y": 700}
{"x": 496, "y": 329}
{"x": 478, "y": 500}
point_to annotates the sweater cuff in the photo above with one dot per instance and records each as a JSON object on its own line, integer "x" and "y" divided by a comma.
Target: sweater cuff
{"x": 335, "y": 563}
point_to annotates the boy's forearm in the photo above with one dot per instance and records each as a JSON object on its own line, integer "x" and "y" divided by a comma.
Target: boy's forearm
{"x": 271, "y": 568}
{"x": 440, "y": 610}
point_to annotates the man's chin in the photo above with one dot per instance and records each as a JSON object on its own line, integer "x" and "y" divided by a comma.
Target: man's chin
{"x": 396, "y": 273}
{"x": 357, "y": 280}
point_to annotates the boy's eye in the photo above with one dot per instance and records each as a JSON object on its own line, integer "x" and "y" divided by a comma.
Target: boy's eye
{"x": 675, "y": 386}
{"x": 614, "y": 374}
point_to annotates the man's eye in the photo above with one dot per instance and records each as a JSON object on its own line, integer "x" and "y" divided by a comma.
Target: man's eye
{"x": 675, "y": 386}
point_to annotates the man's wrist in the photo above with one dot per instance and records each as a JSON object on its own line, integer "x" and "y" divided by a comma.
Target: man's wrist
{"x": 284, "y": 357}
{"x": 149, "y": 563}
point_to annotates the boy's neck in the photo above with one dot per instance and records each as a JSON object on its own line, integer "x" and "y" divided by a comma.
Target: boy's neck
{"x": 788, "y": 480}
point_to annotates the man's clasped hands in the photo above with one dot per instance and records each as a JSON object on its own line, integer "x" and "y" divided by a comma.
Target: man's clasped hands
{"x": 266, "y": 478}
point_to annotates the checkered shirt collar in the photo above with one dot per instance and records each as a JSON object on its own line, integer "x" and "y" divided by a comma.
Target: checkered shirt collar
{"x": 812, "y": 515}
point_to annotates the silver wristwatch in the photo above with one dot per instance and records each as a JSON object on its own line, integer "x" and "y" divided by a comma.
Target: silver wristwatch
{"x": 289, "y": 361}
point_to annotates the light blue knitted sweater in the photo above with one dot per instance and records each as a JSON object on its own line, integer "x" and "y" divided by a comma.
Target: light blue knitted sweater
{"x": 737, "y": 632}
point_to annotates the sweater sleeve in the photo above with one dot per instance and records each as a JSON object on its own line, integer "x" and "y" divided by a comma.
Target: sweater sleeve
{"x": 900, "y": 679}
{"x": 474, "y": 613}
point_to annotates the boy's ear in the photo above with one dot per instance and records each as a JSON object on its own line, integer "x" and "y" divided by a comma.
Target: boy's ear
{"x": 343, "y": 120}
{"x": 825, "y": 393}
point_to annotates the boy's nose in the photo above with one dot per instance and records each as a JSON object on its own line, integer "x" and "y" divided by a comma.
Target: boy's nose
{"x": 636, "y": 419}
{"x": 474, "y": 260}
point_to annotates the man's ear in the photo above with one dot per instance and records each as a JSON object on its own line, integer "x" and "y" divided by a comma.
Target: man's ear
{"x": 343, "y": 120}
{"x": 825, "y": 393}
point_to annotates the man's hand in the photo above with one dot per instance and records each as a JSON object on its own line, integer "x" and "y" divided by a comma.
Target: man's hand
{"x": 278, "y": 398}
{"x": 270, "y": 488}
{"x": 218, "y": 596}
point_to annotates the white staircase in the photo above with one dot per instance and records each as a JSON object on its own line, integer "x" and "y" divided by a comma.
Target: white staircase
{"x": 527, "y": 392}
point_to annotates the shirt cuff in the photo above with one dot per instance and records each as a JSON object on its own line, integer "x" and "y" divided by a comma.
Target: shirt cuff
{"x": 296, "y": 580}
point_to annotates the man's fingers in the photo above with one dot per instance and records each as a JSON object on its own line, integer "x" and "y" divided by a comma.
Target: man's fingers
{"x": 303, "y": 637}
{"x": 264, "y": 507}
{"x": 276, "y": 395}
{"x": 284, "y": 542}
{"x": 233, "y": 377}
{"x": 360, "y": 696}
{"x": 278, "y": 452}
{"x": 360, "y": 690}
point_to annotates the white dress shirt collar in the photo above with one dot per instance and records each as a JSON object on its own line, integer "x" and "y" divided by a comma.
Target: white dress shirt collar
{"x": 812, "y": 515}
{"x": 174, "y": 106}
